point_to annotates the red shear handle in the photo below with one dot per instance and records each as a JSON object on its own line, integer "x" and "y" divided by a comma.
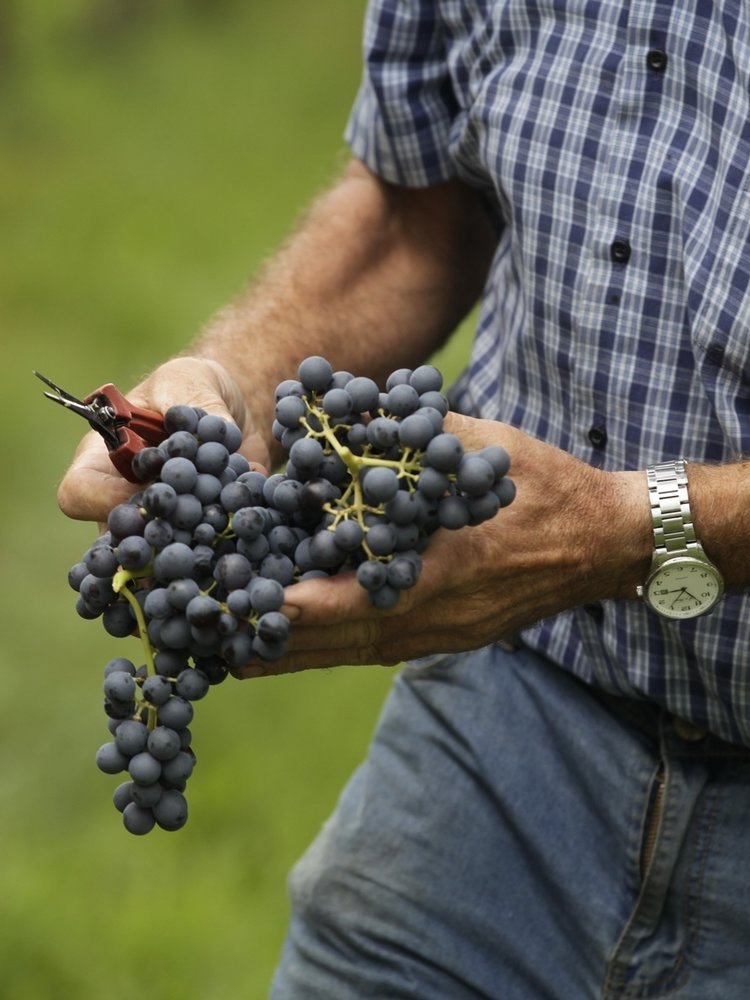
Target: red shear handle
{"x": 147, "y": 424}
{"x": 139, "y": 428}
{"x": 122, "y": 457}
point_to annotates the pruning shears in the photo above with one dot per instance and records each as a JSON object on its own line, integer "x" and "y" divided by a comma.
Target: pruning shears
{"x": 125, "y": 427}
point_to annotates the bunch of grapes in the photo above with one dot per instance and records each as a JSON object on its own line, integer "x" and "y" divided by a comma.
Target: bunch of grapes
{"x": 196, "y": 562}
{"x": 381, "y": 473}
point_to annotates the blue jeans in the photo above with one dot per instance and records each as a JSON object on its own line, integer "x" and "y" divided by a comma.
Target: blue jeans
{"x": 514, "y": 835}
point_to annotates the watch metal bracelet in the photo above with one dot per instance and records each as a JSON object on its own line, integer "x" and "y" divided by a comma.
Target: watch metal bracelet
{"x": 670, "y": 508}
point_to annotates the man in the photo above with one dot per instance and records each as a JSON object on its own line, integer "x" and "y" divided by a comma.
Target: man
{"x": 561, "y": 813}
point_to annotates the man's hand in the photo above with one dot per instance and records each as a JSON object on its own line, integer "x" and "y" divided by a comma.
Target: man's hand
{"x": 92, "y": 485}
{"x": 572, "y": 535}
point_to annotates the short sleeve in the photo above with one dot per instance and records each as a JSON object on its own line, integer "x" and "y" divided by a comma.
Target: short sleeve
{"x": 401, "y": 120}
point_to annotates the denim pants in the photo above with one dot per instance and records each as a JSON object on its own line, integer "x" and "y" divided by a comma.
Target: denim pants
{"x": 514, "y": 835}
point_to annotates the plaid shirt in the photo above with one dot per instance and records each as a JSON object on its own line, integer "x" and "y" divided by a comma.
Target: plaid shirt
{"x": 613, "y": 141}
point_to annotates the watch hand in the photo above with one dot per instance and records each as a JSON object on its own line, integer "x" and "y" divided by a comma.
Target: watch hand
{"x": 683, "y": 591}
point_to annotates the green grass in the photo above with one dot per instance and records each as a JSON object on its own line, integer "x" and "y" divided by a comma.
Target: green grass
{"x": 148, "y": 166}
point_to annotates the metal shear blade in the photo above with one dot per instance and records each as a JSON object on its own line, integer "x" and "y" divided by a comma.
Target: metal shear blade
{"x": 85, "y": 410}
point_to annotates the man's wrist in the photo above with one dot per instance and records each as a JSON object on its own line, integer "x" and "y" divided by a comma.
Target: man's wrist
{"x": 630, "y": 538}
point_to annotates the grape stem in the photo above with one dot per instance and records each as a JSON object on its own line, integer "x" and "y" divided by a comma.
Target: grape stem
{"x": 121, "y": 587}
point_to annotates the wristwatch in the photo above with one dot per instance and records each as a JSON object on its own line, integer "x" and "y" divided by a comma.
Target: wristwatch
{"x": 682, "y": 581}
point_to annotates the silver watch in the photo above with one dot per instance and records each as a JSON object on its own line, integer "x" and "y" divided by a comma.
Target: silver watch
{"x": 682, "y": 581}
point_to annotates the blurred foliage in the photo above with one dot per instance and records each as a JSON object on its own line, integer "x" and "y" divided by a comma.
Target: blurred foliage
{"x": 153, "y": 153}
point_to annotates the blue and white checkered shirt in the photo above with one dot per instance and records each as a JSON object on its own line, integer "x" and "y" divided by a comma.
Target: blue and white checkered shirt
{"x": 614, "y": 141}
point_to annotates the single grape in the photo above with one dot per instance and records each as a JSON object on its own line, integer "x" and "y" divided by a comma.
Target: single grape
{"x": 118, "y": 619}
{"x": 402, "y": 400}
{"x": 482, "y": 508}
{"x": 158, "y": 533}
{"x": 147, "y": 464}
{"x": 173, "y": 562}
{"x": 134, "y": 553}
{"x": 212, "y": 428}
{"x": 125, "y": 519}
{"x": 180, "y": 444}
{"x": 505, "y": 490}
{"x": 182, "y": 592}
{"x": 131, "y": 737}
{"x": 233, "y": 571}
{"x": 382, "y": 432}
{"x": 175, "y": 633}
{"x": 381, "y": 538}
{"x": 379, "y": 484}
{"x": 453, "y": 513}
{"x": 372, "y": 574}
{"x": 163, "y": 743}
{"x": 349, "y": 535}
{"x": 156, "y": 690}
{"x": 416, "y": 431}
{"x": 203, "y": 610}
{"x": 403, "y": 508}
{"x": 181, "y": 418}
{"x": 119, "y": 663}
{"x": 177, "y": 770}
{"x": 426, "y": 378}
{"x": 144, "y": 768}
{"x": 435, "y": 401}
{"x": 237, "y": 649}
{"x": 337, "y": 403}
{"x": 235, "y": 496}
{"x": 432, "y": 484}
{"x": 444, "y": 453}
{"x": 122, "y": 795}
{"x": 324, "y": 552}
{"x": 474, "y": 475}
{"x": 110, "y": 759}
{"x": 180, "y": 474}
{"x": 187, "y": 515}
{"x": 384, "y": 597}
{"x": 307, "y": 455}
{"x": 192, "y": 684}
{"x": 147, "y": 795}
{"x": 399, "y": 377}
{"x": 273, "y": 627}
{"x": 77, "y": 574}
{"x": 216, "y": 517}
{"x": 279, "y": 568}
{"x": 233, "y": 441}
{"x": 157, "y": 603}
{"x": 363, "y": 393}
{"x": 137, "y": 819}
{"x": 176, "y": 712}
{"x": 287, "y": 496}
{"x": 290, "y": 410}
{"x": 265, "y": 594}
{"x": 212, "y": 457}
{"x": 402, "y": 573}
{"x": 101, "y": 561}
{"x": 171, "y": 811}
{"x": 119, "y": 686}
{"x": 207, "y": 488}
{"x": 315, "y": 373}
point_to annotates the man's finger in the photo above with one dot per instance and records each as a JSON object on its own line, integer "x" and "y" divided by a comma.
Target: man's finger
{"x": 92, "y": 487}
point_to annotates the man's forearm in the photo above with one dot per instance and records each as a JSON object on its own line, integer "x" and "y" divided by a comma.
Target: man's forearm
{"x": 374, "y": 278}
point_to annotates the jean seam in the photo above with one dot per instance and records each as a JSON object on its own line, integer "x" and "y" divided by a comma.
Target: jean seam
{"x": 676, "y": 978}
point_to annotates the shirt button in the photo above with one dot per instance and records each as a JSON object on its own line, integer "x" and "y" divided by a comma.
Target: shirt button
{"x": 620, "y": 251}
{"x": 657, "y": 60}
{"x": 598, "y": 437}
{"x": 687, "y": 730}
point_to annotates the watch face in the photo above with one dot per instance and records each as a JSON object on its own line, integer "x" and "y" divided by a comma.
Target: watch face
{"x": 684, "y": 587}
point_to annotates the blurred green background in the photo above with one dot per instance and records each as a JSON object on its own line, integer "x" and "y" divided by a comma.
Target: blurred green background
{"x": 153, "y": 152}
